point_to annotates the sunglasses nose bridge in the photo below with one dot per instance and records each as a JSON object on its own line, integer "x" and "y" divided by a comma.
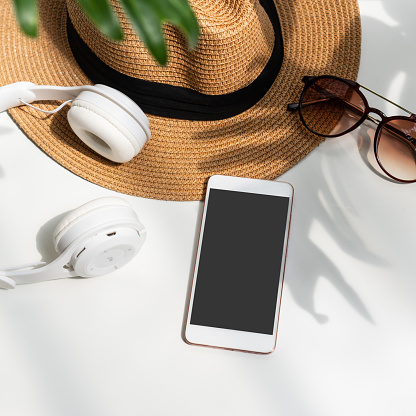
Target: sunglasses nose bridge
{"x": 376, "y": 111}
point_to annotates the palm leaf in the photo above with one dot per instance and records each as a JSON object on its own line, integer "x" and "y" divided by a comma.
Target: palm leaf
{"x": 146, "y": 16}
{"x": 27, "y": 16}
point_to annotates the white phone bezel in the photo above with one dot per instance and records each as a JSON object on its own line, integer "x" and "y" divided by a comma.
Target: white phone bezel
{"x": 226, "y": 338}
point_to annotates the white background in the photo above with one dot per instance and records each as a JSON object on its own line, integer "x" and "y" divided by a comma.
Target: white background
{"x": 113, "y": 345}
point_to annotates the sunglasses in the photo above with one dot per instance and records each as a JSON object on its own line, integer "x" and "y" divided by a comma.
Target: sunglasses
{"x": 330, "y": 106}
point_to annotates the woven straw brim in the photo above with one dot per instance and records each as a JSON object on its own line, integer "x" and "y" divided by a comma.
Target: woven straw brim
{"x": 320, "y": 37}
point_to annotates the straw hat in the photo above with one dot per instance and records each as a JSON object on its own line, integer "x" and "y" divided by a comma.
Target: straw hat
{"x": 220, "y": 109}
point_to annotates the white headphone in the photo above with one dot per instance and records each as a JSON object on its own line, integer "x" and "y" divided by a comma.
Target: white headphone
{"x": 105, "y": 119}
{"x": 94, "y": 239}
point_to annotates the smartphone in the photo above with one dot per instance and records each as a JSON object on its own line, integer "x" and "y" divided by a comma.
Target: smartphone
{"x": 237, "y": 283}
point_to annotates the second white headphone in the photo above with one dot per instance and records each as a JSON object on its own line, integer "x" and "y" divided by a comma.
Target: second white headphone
{"x": 94, "y": 239}
{"x": 105, "y": 119}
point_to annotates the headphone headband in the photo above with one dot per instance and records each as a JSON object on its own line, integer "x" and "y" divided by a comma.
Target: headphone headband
{"x": 14, "y": 95}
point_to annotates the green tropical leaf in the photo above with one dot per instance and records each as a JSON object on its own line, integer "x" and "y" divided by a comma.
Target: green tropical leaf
{"x": 147, "y": 24}
{"x": 179, "y": 13}
{"x": 27, "y": 16}
{"x": 148, "y": 16}
{"x": 103, "y": 16}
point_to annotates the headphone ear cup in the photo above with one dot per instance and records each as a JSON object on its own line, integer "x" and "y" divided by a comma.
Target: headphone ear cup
{"x": 106, "y": 127}
{"x": 106, "y": 233}
{"x": 127, "y": 103}
{"x": 88, "y": 217}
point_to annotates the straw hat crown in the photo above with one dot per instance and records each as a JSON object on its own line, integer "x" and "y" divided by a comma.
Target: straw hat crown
{"x": 233, "y": 36}
{"x": 219, "y": 109}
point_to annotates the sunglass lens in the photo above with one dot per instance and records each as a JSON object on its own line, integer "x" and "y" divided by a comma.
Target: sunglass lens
{"x": 396, "y": 149}
{"x": 330, "y": 107}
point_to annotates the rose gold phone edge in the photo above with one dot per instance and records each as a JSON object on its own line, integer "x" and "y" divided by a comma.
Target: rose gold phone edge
{"x": 280, "y": 293}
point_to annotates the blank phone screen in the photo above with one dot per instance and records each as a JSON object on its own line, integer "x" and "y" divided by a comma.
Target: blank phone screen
{"x": 240, "y": 261}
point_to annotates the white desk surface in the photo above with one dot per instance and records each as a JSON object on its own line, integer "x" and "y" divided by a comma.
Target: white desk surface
{"x": 113, "y": 345}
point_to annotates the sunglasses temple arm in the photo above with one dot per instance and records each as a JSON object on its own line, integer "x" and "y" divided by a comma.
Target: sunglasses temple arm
{"x": 398, "y": 133}
{"x": 295, "y": 106}
{"x": 386, "y": 99}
